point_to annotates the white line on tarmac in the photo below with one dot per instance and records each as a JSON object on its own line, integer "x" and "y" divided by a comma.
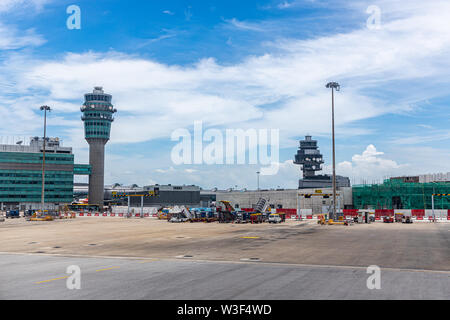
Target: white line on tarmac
{"x": 299, "y": 265}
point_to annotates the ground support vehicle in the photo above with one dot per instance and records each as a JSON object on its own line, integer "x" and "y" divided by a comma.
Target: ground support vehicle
{"x": 12, "y": 214}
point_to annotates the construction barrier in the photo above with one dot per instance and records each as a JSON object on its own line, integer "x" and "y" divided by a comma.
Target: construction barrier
{"x": 418, "y": 212}
{"x": 380, "y": 213}
{"x": 350, "y": 212}
{"x": 289, "y": 212}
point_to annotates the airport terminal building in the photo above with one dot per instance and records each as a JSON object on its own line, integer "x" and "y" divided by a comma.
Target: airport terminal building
{"x": 21, "y": 174}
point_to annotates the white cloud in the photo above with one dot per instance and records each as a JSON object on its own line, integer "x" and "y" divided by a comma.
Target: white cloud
{"x": 429, "y": 136}
{"x": 370, "y": 165}
{"x": 9, "y": 5}
{"x": 244, "y": 25}
{"x": 285, "y": 5}
{"x": 170, "y": 169}
{"x": 291, "y": 80}
{"x": 11, "y": 38}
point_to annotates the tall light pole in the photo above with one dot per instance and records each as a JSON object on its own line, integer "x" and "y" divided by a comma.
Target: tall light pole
{"x": 45, "y": 108}
{"x": 432, "y": 203}
{"x": 333, "y": 86}
{"x": 257, "y": 180}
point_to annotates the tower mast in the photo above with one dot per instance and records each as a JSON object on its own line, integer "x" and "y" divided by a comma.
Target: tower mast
{"x": 97, "y": 117}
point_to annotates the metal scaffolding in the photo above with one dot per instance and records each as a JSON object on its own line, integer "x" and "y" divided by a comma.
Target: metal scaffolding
{"x": 395, "y": 194}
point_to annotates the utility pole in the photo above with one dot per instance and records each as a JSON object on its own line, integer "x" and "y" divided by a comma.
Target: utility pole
{"x": 128, "y": 209}
{"x": 45, "y": 108}
{"x": 257, "y": 180}
{"x": 432, "y": 206}
{"x": 333, "y": 86}
{"x": 142, "y": 206}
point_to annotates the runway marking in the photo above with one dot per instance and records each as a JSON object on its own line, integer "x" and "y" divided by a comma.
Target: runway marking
{"x": 54, "y": 279}
{"x": 147, "y": 261}
{"x": 297, "y": 265}
{"x": 65, "y": 277}
{"x": 106, "y": 269}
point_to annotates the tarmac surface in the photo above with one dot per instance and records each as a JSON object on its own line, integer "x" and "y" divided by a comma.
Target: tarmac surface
{"x": 150, "y": 259}
{"x": 44, "y": 277}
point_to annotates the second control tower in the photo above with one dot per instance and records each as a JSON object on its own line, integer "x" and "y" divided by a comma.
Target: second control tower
{"x": 311, "y": 160}
{"x": 309, "y": 157}
{"x": 97, "y": 117}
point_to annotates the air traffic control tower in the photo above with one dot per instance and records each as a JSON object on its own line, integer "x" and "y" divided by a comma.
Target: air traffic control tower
{"x": 97, "y": 117}
{"x": 309, "y": 157}
{"x": 311, "y": 160}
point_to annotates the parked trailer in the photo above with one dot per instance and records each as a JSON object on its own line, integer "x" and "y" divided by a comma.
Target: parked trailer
{"x": 12, "y": 214}
{"x": 242, "y": 217}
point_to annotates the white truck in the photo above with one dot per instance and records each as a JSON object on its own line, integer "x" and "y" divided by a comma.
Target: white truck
{"x": 274, "y": 218}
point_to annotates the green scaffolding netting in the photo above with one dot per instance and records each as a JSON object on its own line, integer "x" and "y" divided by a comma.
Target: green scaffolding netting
{"x": 395, "y": 194}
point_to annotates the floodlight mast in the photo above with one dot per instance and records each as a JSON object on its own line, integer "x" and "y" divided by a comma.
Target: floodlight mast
{"x": 45, "y": 108}
{"x": 337, "y": 87}
{"x": 257, "y": 180}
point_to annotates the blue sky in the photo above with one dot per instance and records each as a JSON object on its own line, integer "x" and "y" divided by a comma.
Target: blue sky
{"x": 235, "y": 64}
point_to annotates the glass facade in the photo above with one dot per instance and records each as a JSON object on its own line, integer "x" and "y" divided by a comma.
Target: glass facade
{"x": 81, "y": 169}
{"x": 21, "y": 177}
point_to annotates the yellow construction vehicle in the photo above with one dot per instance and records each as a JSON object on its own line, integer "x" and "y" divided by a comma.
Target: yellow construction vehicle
{"x": 339, "y": 222}
{"x": 323, "y": 221}
{"x": 41, "y": 216}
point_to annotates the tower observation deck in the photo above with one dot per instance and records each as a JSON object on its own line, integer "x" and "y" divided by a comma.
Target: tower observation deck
{"x": 97, "y": 117}
{"x": 309, "y": 157}
{"x": 311, "y": 160}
